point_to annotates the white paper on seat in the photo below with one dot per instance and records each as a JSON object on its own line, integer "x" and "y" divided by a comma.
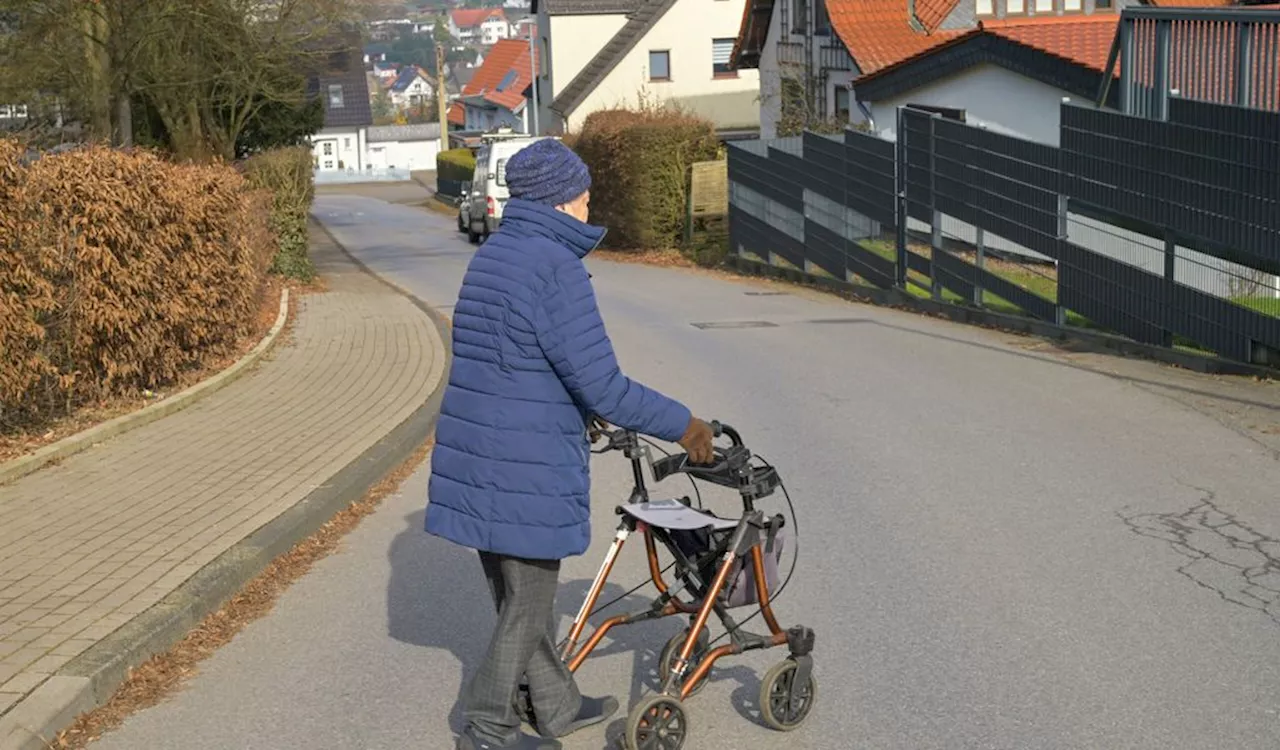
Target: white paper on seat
{"x": 673, "y": 514}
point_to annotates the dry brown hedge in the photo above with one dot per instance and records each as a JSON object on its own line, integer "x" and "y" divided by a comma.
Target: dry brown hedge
{"x": 119, "y": 272}
{"x": 640, "y": 162}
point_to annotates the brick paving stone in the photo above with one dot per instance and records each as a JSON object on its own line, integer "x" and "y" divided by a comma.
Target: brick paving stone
{"x": 90, "y": 543}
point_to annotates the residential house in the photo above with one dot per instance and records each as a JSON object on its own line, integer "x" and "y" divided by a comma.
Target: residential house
{"x": 413, "y": 86}
{"x": 375, "y": 53}
{"x": 601, "y": 54}
{"x": 516, "y": 4}
{"x": 1002, "y": 64}
{"x": 343, "y": 86}
{"x": 479, "y": 25}
{"x": 457, "y": 76}
{"x": 403, "y": 147}
{"x": 495, "y": 96}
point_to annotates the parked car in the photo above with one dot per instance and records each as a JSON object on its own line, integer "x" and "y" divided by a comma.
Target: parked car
{"x": 489, "y": 185}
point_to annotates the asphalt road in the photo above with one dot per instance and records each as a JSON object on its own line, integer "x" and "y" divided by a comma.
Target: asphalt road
{"x": 997, "y": 549}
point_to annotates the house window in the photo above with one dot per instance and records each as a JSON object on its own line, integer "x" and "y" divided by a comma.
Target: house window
{"x": 842, "y": 103}
{"x": 328, "y": 148}
{"x": 721, "y": 53}
{"x": 985, "y": 7}
{"x": 1016, "y": 7}
{"x": 335, "y": 95}
{"x": 346, "y": 143}
{"x": 1044, "y": 6}
{"x": 660, "y": 65}
{"x": 800, "y": 16}
{"x": 821, "y": 18}
{"x": 1072, "y": 6}
{"x": 507, "y": 80}
{"x": 1102, "y": 4}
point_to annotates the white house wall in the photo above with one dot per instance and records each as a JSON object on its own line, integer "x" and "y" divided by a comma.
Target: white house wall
{"x": 770, "y": 97}
{"x": 411, "y": 155}
{"x": 686, "y": 31}
{"x": 345, "y": 149}
{"x": 583, "y": 37}
{"x": 991, "y": 96}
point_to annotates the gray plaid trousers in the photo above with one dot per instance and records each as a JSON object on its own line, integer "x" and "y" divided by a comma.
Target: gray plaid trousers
{"x": 522, "y": 646}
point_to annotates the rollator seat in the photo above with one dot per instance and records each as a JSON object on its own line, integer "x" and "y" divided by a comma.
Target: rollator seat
{"x": 676, "y": 516}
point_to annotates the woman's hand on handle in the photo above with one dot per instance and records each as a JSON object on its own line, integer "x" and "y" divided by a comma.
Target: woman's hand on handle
{"x": 697, "y": 441}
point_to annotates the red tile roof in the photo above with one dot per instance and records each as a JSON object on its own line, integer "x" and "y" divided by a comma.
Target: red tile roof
{"x": 1083, "y": 40}
{"x": 933, "y": 12}
{"x": 506, "y": 56}
{"x": 465, "y": 18}
{"x": 878, "y": 32}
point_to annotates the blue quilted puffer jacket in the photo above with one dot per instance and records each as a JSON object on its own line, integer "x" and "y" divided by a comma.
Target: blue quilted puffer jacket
{"x": 532, "y": 362}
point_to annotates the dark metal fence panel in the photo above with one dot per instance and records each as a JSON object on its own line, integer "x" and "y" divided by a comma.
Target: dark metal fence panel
{"x": 824, "y": 160}
{"x": 1112, "y": 294}
{"x": 1222, "y": 189}
{"x": 1242, "y": 121}
{"x": 870, "y": 169}
{"x": 1208, "y": 179}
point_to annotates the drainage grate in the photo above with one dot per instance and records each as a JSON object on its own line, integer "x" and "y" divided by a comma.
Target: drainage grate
{"x": 833, "y": 321}
{"x": 765, "y": 294}
{"x": 735, "y": 324}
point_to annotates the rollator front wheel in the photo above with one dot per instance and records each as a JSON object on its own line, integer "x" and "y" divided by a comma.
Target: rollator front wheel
{"x": 659, "y": 723}
{"x": 784, "y": 705}
{"x": 672, "y": 649}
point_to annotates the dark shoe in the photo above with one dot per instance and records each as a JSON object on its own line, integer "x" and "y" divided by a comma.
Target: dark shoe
{"x": 468, "y": 741}
{"x": 593, "y": 711}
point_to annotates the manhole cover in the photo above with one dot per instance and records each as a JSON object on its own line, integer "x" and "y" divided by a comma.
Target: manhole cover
{"x": 735, "y": 324}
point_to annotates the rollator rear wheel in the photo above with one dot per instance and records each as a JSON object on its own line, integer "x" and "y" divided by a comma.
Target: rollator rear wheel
{"x": 672, "y": 649}
{"x": 777, "y": 690}
{"x": 659, "y": 723}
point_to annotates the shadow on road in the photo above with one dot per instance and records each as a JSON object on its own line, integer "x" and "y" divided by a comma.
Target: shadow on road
{"x": 437, "y": 598}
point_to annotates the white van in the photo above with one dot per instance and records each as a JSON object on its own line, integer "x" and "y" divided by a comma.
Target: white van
{"x": 489, "y": 184}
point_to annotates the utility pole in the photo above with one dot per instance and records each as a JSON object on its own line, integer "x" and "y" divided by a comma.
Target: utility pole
{"x": 441, "y": 99}
{"x": 534, "y": 68}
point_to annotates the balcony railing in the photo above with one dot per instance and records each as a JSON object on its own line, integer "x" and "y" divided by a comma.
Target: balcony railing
{"x": 1224, "y": 56}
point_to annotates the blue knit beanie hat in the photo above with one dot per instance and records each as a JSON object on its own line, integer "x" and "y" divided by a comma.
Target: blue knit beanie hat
{"x": 547, "y": 172}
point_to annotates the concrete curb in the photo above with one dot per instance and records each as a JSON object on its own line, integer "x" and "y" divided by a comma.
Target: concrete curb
{"x": 89, "y": 680}
{"x": 72, "y": 444}
{"x": 1096, "y": 341}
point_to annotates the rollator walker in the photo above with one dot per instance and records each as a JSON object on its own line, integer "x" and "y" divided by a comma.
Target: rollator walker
{"x": 721, "y": 564}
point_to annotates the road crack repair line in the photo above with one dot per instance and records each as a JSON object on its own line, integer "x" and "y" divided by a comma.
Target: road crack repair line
{"x": 1226, "y": 557}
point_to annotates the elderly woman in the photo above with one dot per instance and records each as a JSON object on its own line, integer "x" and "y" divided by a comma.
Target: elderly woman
{"x": 532, "y": 367}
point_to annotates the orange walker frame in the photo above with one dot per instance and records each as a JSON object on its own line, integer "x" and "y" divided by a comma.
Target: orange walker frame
{"x": 789, "y": 688}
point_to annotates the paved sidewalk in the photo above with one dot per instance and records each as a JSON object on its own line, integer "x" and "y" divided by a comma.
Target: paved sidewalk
{"x": 87, "y": 545}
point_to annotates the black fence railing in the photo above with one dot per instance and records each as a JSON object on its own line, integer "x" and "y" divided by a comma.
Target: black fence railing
{"x": 1165, "y": 232}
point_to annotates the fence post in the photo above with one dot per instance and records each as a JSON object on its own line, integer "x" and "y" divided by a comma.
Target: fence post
{"x": 980, "y": 260}
{"x": 1244, "y": 71}
{"x": 1161, "y": 78}
{"x": 935, "y": 217}
{"x": 1060, "y": 312}
{"x": 1126, "y": 65}
{"x": 1170, "y": 269}
{"x": 900, "y": 150}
